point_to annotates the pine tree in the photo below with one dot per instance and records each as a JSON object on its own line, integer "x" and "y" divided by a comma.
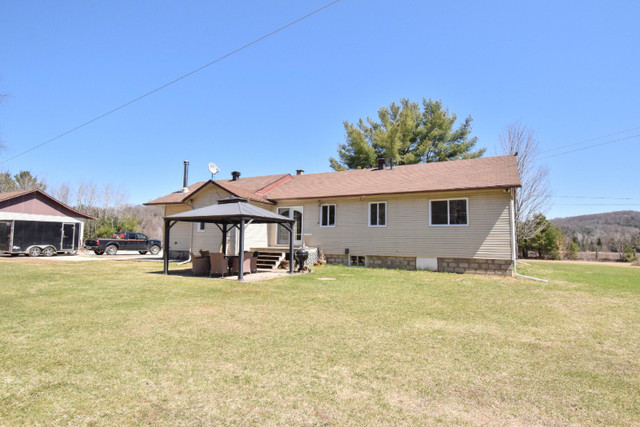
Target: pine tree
{"x": 406, "y": 134}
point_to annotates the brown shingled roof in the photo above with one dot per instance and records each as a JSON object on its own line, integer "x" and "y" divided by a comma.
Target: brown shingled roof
{"x": 247, "y": 188}
{"x": 482, "y": 173}
{"x": 471, "y": 174}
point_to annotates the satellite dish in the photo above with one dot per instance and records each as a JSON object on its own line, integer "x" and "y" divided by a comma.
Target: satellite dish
{"x": 213, "y": 169}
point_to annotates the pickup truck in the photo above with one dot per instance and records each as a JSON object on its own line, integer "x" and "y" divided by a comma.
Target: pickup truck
{"x": 123, "y": 240}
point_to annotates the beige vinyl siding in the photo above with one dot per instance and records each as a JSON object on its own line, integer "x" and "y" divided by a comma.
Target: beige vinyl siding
{"x": 408, "y": 232}
{"x": 181, "y": 232}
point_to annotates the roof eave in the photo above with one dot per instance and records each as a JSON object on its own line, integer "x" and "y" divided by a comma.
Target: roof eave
{"x": 444, "y": 190}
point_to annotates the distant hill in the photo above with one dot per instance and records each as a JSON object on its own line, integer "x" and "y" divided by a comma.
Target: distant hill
{"x": 614, "y": 229}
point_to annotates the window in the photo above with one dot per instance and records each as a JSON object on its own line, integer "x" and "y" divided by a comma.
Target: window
{"x": 449, "y": 212}
{"x": 378, "y": 214}
{"x": 140, "y": 236}
{"x": 328, "y": 216}
{"x": 201, "y": 227}
{"x": 357, "y": 261}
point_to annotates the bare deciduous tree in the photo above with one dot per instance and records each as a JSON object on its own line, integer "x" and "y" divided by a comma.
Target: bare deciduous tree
{"x": 62, "y": 193}
{"x": 535, "y": 193}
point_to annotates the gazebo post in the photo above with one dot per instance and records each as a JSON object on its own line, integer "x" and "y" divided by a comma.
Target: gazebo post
{"x": 224, "y": 239}
{"x": 291, "y": 226}
{"x": 165, "y": 255}
{"x": 241, "y": 252}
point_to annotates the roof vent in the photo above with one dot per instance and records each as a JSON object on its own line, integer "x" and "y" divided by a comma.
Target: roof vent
{"x": 381, "y": 162}
{"x": 299, "y": 171}
{"x": 235, "y": 175}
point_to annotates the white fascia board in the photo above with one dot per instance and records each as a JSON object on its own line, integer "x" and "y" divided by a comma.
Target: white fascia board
{"x": 10, "y": 216}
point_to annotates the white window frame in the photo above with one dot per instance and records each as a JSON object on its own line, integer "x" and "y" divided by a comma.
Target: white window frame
{"x": 466, "y": 199}
{"x": 357, "y": 257}
{"x": 335, "y": 210}
{"x": 200, "y": 227}
{"x": 386, "y": 214}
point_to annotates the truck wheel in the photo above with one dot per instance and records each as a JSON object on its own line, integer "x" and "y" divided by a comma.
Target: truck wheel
{"x": 98, "y": 251}
{"x": 142, "y": 252}
{"x": 34, "y": 251}
{"x": 155, "y": 250}
{"x": 111, "y": 250}
{"x": 49, "y": 251}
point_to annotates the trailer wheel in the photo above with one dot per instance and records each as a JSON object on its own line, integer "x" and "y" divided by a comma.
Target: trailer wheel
{"x": 34, "y": 251}
{"x": 49, "y": 251}
{"x": 111, "y": 250}
{"x": 98, "y": 251}
{"x": 155, "y": 250}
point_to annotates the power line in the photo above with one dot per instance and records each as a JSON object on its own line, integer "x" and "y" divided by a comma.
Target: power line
{"x": 598, "y": 204}
{"x": 589, "y": 140}
{"x": 590, "y": 146}
{"x": 592, "y": 197}
{"x": 184, "y": 76}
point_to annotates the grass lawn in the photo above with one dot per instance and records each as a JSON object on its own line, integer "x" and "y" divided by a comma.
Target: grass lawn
{"x": 112, "y": 343}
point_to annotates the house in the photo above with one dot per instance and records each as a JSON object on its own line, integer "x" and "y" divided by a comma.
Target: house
{"x": 35, "y": 223}
{"x": 455, "y": 216}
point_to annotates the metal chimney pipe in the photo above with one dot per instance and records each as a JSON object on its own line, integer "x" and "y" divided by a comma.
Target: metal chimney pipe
{"x": 235, "y": 175}
{"x": 185, "y": 179}
{"x": 381, "y": 162}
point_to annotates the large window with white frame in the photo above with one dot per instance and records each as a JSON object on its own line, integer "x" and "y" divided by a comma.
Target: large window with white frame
{"x": 378, "y": 214}
{"x": 449, "y": 212}
{"x": 327, "y": 215}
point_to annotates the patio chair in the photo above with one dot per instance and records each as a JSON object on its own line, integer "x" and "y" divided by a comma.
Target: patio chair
{"x": 246, "y": 265}
{"x": 219, "y": 265}
{"x": 199, "y": 265}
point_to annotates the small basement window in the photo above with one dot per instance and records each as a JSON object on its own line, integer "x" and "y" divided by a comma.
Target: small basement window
{"x": 357, "y": 261}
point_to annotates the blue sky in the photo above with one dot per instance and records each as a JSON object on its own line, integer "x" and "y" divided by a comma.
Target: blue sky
{"x": 570, "y": 70}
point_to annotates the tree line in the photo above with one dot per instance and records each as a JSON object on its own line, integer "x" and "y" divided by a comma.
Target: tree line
{"x": 108, "y": 205}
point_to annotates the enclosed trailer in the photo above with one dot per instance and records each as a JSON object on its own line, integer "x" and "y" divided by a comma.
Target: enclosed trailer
{"x": 37, "y": 238}
{"x": 34, "y": 223}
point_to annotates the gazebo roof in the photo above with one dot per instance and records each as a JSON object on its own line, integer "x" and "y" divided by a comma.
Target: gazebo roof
{"x": 230, "y": 211}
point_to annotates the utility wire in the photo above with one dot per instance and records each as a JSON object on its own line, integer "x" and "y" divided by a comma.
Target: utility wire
{"x": 184, "y": 76}
{"x": 589, "y": 140}
{"x": 592, "y": 197}
{"x": 590, "y": 146}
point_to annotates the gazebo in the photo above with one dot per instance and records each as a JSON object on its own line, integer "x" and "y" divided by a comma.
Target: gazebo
{"x": 227, "y": 214}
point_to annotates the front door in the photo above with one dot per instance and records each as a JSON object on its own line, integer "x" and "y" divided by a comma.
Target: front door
{"x": 68, "y": 237}
{"x": 283, "y": 233}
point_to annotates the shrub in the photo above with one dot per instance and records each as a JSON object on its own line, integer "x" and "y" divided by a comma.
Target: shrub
{"x": 628, "y": 254}
{"x": 572, "y": 251}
